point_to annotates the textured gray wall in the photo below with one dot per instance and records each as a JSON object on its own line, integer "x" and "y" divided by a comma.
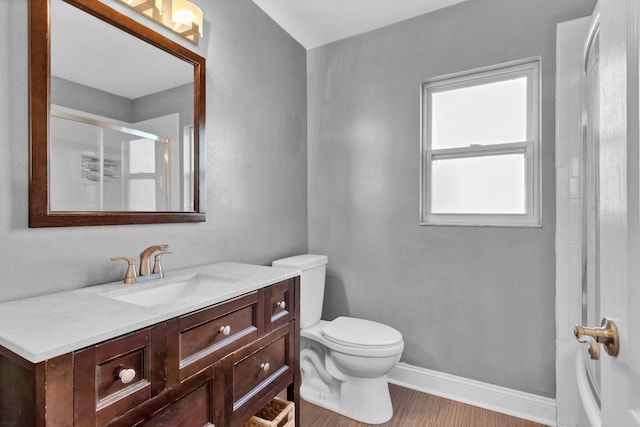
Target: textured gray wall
{"x": 471, "y": 301}
{"x": 70, "y": 94}
{"x": 178, "y": 99}
{"x": 256, "y": 158}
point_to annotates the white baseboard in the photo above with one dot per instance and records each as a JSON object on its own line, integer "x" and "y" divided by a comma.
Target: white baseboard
{"x": 495, "y": 398}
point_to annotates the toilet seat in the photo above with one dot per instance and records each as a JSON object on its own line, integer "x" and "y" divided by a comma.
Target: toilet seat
{"x": 361, "y": 336}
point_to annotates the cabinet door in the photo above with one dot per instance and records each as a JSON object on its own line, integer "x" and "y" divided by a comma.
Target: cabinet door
{"x": 113, "y": 377}
{"x": 260, "y": 371}
{"x": 196, "y": 402}
{"x": 194, "y": 409}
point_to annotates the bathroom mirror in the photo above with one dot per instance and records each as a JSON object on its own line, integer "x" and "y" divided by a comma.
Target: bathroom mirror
{"x": 117, "y": 120}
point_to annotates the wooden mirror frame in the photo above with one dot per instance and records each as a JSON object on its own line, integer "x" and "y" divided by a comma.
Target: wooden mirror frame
{"x": 40, "y": 94}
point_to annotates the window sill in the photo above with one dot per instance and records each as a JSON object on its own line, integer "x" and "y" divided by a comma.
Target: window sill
{"x": 457, "y": 224}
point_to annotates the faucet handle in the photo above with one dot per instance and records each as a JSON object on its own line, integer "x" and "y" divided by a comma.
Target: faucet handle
{"x": 161, "y": 247}
{"x": 157, "y": 267}
{"x": 130, "y": 276}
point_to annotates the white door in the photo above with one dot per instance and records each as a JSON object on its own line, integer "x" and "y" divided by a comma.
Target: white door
{"x": 619, "y": 209}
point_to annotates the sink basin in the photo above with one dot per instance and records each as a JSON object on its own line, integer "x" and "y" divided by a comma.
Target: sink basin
{"x": 170, "y": 290}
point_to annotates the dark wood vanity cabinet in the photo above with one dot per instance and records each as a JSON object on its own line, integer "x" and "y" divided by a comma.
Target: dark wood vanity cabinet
{"x": 213, "y": 367}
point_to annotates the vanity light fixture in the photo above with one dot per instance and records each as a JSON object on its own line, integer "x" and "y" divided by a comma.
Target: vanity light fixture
{"x": 151, "y": 8}
{"x": 181, "y": 16}
{"x": 187, "y": 19}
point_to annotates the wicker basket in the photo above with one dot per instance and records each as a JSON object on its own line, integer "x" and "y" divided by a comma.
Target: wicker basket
{"x": 277, "y": 413}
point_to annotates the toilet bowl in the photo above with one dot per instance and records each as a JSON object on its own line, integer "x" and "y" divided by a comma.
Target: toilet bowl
{"x": 344, "y": 362}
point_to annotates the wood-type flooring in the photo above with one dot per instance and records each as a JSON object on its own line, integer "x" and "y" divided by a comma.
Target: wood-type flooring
{"x": 416, "y": 409}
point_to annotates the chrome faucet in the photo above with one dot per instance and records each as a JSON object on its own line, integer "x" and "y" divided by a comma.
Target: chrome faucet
{"x": 145, "y": 256}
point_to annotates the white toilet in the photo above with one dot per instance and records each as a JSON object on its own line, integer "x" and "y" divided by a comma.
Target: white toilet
{"x": 344, "y": 362}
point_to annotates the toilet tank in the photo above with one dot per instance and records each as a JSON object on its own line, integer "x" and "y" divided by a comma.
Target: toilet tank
{"x": 313, "y": 269}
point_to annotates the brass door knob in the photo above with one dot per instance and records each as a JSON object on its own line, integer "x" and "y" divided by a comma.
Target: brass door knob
{"x": 594, "y": 351}
{"x": 606, "y": 334}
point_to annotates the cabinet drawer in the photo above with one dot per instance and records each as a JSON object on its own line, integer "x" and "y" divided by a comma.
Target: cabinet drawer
{"x": 118, "y": 375}
{"x": 280, "y": 304}
{"x": 262, "y": 367}
{"x": 210, "y": 334}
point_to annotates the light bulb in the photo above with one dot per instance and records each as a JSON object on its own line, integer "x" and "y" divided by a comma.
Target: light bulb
{"x": 187, "y": 13}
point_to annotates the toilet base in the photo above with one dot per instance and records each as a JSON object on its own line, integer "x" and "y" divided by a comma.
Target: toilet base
{"x": 352, "y": 398}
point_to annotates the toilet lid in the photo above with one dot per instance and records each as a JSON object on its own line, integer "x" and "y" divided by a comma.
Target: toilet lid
{"x": 353, "y": 332}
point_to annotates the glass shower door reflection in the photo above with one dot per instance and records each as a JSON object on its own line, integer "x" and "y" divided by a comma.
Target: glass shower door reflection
{"x": 97, "y": 166}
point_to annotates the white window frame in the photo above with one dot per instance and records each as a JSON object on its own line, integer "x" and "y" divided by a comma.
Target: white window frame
{"x": 530, "y": 147}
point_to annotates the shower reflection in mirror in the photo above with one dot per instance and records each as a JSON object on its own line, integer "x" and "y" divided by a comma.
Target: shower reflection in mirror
{"x": 99, "y": 164}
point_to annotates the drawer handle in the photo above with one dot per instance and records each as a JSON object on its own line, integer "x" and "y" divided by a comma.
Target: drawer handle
{"x": 281, "y": 304}
{"x": 225, "y": 330}
{"x": 265, "y": 366}
{"x": 127, "y": 375}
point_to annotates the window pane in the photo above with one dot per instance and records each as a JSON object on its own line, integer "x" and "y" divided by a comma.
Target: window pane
{"x": 142, "y": 195}
{"x": 479, "y": 185}
{"x": 493, "y": 113}
{"x": 142, "y": 156}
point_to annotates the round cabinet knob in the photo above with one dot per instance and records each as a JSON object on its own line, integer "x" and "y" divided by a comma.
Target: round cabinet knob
{"x": 127, "y": 375}
{"x": 265, "y": 366}
{"x": 225, "y": 330}
{"x": 281, "y": 304}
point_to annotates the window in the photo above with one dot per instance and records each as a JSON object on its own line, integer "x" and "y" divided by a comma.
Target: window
{"x": 481, "y": 147}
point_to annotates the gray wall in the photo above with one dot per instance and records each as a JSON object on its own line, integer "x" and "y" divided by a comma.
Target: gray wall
{"x": 178, "y": 99}
{"x": 70, "y": 94}
{"x": 471, "y": 301}
{"x": 256, "y": 158}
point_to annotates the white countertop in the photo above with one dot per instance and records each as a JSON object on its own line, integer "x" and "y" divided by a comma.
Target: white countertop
{"x": 47, "y": 326}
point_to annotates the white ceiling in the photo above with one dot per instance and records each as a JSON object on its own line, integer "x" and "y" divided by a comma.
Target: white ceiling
{"x": 317, "y": 22}
{"x": 313, "y": 23}
{"x": 91, "y": 52}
